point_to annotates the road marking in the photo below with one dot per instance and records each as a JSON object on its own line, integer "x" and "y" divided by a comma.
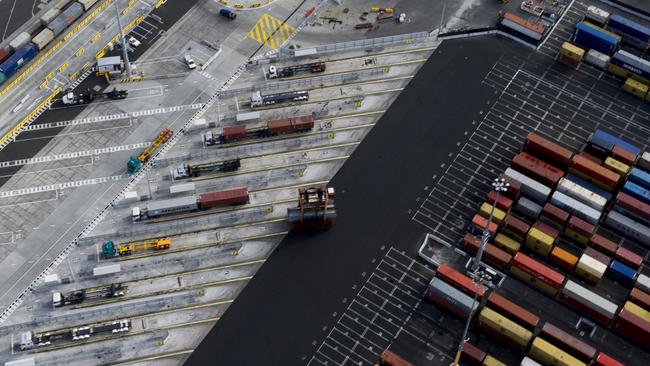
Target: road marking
{"x": 271, "y": 31}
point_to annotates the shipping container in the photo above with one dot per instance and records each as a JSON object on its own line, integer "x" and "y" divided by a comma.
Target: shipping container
{"x": 608, "y": 141}
{"x": 17, "y": 60}
{"x": 596, "y": 16}
{"x": 547, "y": 229}
{"x": 590, "y": 187}
{"x": 61, "y": 4}
{"x": 588, "y": 303}
{"x": 491, "y": 254}
{"x": 459, "y": 281}
{"x": 633, "y": 328}
{"x": 592, "y": 36}
{"x": 643, "y": 283}
{"x": 623, "y": 155}
{"x": 540, "y": 242}
{"x": 579, "y": 230}
{"x": 622, "y": 273}
{"x": 644, "y": 161}
{"x": 67, "y": 17}
{"x": 563, "y": 259}
{"x": 590, "y": 157}
{"x": 602, "y": 258}
{"x": 640, "y": 298}
{"x": 590, "y": 269}
{"x": 492, "y": 361}
{"x": 291, "y": 125}
{"x": 479, "y": 223}
{"x": 632, "y": 207}
{"x": 513, "y": 311}
{"x": 527, "y": 361}
{"x": 632, "y": 32}
{"x": 575, "y": 207}
{"x": 529, "y": 270}
{"x": 171, "y": 206}
{"x": 87, "y": 4}
{"x": 562, "y": 57}
{"x": 554, "y": 216}
{"x": 528, "y": 208}
{"x": 637, "y": 310}
{"x": 545, "y": 149}
{"x": 546, "y": 353}
{"x": 637, "y": 191}
{"x": 503, "y": 203}
{"x": 389, "y": 358}
{"x": 503, "y": 328}
{"x": 515, "y": 228}
{"x": 626, "y": 65}
{"x": 581, "y": 194}
{"x": 605, "y": 360}
{"x": 234, "y": 133}
{"x": 594, "y": 173}
{"x": 21, "y": 40}
{"x": 628, "y": 227}
{"x": 514, "y": 187}
{"x": 236, "y": 196}
{"x": 507, "y": 243}
{"x": 182, "y": 188}
{"x": 472, "y": 355}
{"x": 42, "y": 39}
{"x": 628, "y": 257}
{"x": 537, "y": 169}
{"x": 520, "y": 26}
{"x": 572, "y": 52}
{"x": 603, "y": 244}
{"x": 108, "y": 269}
{"x": 597, "y": 59}
{"x": 450, "y": 299}
{"x": 497, "y": 215}
{"x": 49, "y": 16}
{"x": 4, "y": 54}
{"x": 640, "y": 177}
{"x": 530, "y": 187}
{"x": 615, "y": 165}
{"x": 567, "y": 342}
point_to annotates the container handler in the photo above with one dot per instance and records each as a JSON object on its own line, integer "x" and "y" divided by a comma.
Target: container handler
{"x": 315, "y": 211}
{"x": 110, "y": 250}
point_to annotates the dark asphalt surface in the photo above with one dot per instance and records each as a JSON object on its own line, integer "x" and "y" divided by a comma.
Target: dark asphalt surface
{"x": 15, "y": 13}
{"x": 291, "y": 299}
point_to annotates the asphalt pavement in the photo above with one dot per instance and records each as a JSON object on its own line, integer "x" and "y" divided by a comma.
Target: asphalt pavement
{"x": 289, "y": 306}
{"x": 14, "y": 13}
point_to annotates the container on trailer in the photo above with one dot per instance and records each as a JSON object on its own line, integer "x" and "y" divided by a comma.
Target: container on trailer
{"x": 492, "y": 361}
{"x": 87, "y": 4}
{"x": 625, "y": 65}
{"x": 630, "y": 30}
{"x": 596, "y": 16}
{"x": 633, "y": 327}
{"x": 598, "y": 59}
{"x": 591, "y": 187}
{"x": 548, "y": 354}
{"x": 544, "y": 149}
{"x": 527, "y": 361}
{"x": 537, "y": 169}
{"x": 554, "y": 216}
{"x": 538, "y": 275}
{"x": 236, "y": 196}
{"x": 567, "y": 342}
{"x": 579, "y": 230}
{"x": 497, "y": 215}
{"x": 182, "y": 188}
{"x": 628, "y": 257}
{"x": 503, "y": 203}
{"x": 472, "y": 355}
{"x": 632, "y": 207}
{"x": 637, "y": 310}
{"x": 608, "y": 141}
{"x": 521, "y": 25}
{"x": 388, "y": 358}
{"x": 539, "y": 241}
{"x": 590, "y": 269}
{"x": 104, "y": 270}
{"x": 628, "y": 227}
{"x": 622, "y": 273}
{"x": 303, "y": 123}
{"x": 640, "y": 177}
{"x": 42, "y": 39}
{"x": 170, "y": 206}
{"x": 602, "y": 244}
{"x": 234, "y": 133}
{"x": 507, "y": 243}
{"x": 449, "y": 298}
{"x": 514, "y": 187}
{"x": 18, "y": 59}
{"x": 605, "y": 360}
{"x": 503, "y": 328}
{"x": 587, "y": 35}
{"x": 640, "y": 298}
{"x": 479, "y": 223}
{"x": 491, "y": 254}
{"x": 530, "y": 187}
{"x": 588, "y": 302}
{"x": 575, "y": 207}
{"x": 590, "y": 157}
{"x": 279, "y": 126}
{"x": 563, "y": 259}
{"x": 594, "y": 173}
{"x": 615, "y": 165}
{"x": 581, "y": 194}
{"x": 515, "y": 228}
{"x": 67, "y": 17}
{"x": 528, "y": 208}
{"x": 623, "y": 155}
{"x": 643, "y": 282}
{"x": 459, "y": 281}
{"x": 637, "y": 191}
{"x": 512, "y": 311}
{"x": 20, "y": 40}
{"x": 602, "y": 258}
{"x": 644, "y": 161}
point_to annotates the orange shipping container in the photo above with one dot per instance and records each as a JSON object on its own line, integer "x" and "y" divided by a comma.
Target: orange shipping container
{"x": 564, "y": 259}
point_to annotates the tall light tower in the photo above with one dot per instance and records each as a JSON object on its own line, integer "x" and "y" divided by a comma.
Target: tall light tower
{"x": 125, "y": 51}
{"x": 499, "y": 185}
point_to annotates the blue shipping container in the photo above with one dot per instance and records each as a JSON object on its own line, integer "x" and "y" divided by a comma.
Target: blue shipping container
{"x": 634, "y": 64}
{"x": 607, "y": 141}
{"x": 640, "y": 177}
{"x": 590, "y": 36}
{"x": 627, "y": 27}
{"x": 592, "y": 187}
{"x": 622, "y": 273}
{"x": 637, "y": 191}
{"x": 18, "y": 59}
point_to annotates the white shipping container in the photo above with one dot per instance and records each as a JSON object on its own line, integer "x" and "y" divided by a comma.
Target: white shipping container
{"x": 87, "y": 4}
{"x": 643, "y": 282}
{"x": 20, "y": 40}
{"x": 590, "y": 299}
{"x": 103, "y": 270}
{"x": 575, "y": 207}
{"x": 582, "y": 194}
{"x": 597, "y": 59}
{"x": 49, "y": 15}
{"x": 22, "y": 362}
{"x": 530, "y": 187}
{"x": 523, "y": 30}
{"x": 644, "y": 161}
{"x": 51, "y": 278}
{"x": 591, "y": 266}
{"x": 241, "y": 117}
{"x": 182, "y": 188}
{"x": 199, "y": 124}
{"x": 305, "y": 52}
{"x": 597, "y": 15}
{"x": 42, "y": 39}
{"x": 529, "y": 362}
{"x": 130, "y": 196}
{"x": 628, "y": 227}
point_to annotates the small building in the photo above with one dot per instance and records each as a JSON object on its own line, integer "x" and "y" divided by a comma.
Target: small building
{"x": 110, "y": 66}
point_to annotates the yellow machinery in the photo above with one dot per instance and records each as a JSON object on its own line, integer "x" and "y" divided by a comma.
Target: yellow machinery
{"x": 134, "y": 163}
{"x": 109, "y": 250}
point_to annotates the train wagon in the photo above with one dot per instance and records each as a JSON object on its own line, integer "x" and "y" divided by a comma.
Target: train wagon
{"x": 450, "y": 299}
{"x": 20, "y": 57}
{"x": 459, "y": 281}
{"x": 548, "y": 354}
{"x": 236, "y": 196}
{"x": 602, "y": 244}
{"x": 515, "y": 228}
{"x": 567, "y": 342}
{"x": 513, "y": 311}
{"x": 628, "y": 257}
{"x": 67, "y": 17}
{"x": 536, "y": 274}
{"x": 563, "y": 259}
{"x": 633, "y": 328}
{"x": 537, "y": 169}
{"x": 491, "y": 254}
{"x": 504, "y": 329}
{"x": 588, "y": 303}
{"x": 530, "y": 187}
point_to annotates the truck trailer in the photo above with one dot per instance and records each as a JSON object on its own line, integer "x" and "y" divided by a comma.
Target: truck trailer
{"x": 275, "y": 72}
{"x": 259, "y": 100}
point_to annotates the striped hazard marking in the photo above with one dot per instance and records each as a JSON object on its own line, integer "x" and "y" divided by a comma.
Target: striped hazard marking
{"x": 270, "y": 31}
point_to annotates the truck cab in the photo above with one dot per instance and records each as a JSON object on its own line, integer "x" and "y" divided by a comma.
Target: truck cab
{"x": 273, "y": 72}
{"x": 135, "y": 213}
{"x": 228, "y": 14}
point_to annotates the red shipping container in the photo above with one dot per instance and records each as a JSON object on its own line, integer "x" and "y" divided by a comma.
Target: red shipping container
{"x": 472, "y": 355}
{"x": 633, "y": 327}
{"x": 563, "y": 59}
{"x": 237, "y": 196}
{"x": 388, "y": 358}
{"x": 640, "y": 298}
{"x": 514, "y": 189}
{"x": 547, "y": 150}
{"x": 628, "y": 257}
{"x": 594, "y": 173}
{"x": 491, "y": 253}
{"x": 538, "y": 270}
{"x": 504, "y": 203}
{"x": 302, "y": 123}
{"x": 481, "y": 222}
{"x": 633, "y": 205}
{"x": 603, "y": 244}
{"x": 537, "y": 169}
{"x": 4, "y": 54}
{"x": 555, "y": 214}
{"x": 516, "y": 227}
{"x": 512, "y": 311}
{"x": 567, "y": 342}
{"x": 547, "y": 229}
{"x": 604, "y": 360}
{"x": 591, "y": 157}
{"x": 279, "y": 126}
{"x": 459, "y": 281}
{"x": 602, "y": 258}
{"x": 623, "y": 155}
{"x": 581, "y": 227}
{"x": 234, "y": 133}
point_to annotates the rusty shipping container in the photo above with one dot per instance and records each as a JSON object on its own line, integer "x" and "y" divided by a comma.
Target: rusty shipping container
{"x": 535, "y": 273}
{"x": 237, "y": 196}
{"x": 389, "y": 358}
{"x": 513, "y": 311}
{"x": 603, "y": 244}
{"x": 514, "y": 189}
{"x": 537, "y": 169}
{"x": 628, "y": 257}
{"x": 640, "y": 298}
{"x": 633, "y": 327}
{"x": 234, "y": 133}
{"x": 516, "y": 228}
{"x": 567, "y": 342}
{"x": 590, "y": 157}
{"x": 547, "y": 150}
{"x": 459, "y": 281}
{"x": 491, "y": 254}
{"x": 554, "y": 216}
{"x": 504, "y": 203}
{"x": 579, "y": 230}
{"x": 472, "y": 355}
{"x": 594, "y": 173}
{"x": 623, "y": 155}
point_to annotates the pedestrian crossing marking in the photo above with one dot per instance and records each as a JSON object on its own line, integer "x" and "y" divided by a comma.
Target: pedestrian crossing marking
{"x": 271, "y": 31}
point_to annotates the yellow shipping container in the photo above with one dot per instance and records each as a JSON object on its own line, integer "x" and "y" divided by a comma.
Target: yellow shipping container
{"x": 635, "y": 88}
{"x": 497, "y": 217}
{"x": 539, "y": 241}
{"x": 507, "y": 243}
{"x": 506, "y": 327}
{"x": 590, "y": 269}
{"x": 549, "y": 355}
{"x": 572, "y": 51}
{"x": 616, "y": 166}
{"x": 637, "y": 310}
{"x": 491, "y": 361}
{"x": 542, "y": 286}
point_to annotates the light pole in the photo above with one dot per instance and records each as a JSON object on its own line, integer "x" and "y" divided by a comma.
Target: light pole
{"x": 499, "y": 185}
{"x": 125, "y": 51}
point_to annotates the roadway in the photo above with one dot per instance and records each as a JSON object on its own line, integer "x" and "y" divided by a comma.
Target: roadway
{"x": 14, "y": 13}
